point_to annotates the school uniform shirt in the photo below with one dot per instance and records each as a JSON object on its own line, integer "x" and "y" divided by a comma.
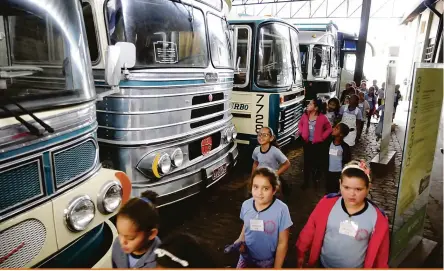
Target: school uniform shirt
{"x": 337, "y": 160}
{"x": 272, "y": 158}
{"x": 262, "y": 228}
{"x": 346, "y": 236}
{"x": 122, "y": 260}
{"x": 364, "y": 106}
{"x": 371, "y": 101}
{"x": 312, "y": 236}
{"x": 381, "y": 94}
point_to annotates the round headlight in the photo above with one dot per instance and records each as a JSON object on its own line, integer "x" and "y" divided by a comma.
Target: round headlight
{"x": 110, "y": 197}
{"x": 79, "y": 213}
{"x": 177, "y": 157}
{"x": 234, "y": 132}
{"x": 164, "y": 163}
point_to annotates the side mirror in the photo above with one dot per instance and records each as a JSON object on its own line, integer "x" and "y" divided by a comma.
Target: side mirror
{"x": 121, "y": 55}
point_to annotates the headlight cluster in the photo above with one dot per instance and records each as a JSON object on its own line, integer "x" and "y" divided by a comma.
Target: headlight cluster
{"x": 229, "y": 134}
{"x": 164, "y": 162}
{"x": 81, "y": 210}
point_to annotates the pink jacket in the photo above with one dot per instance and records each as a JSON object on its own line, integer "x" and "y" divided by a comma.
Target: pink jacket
{"x": 322, "y": 128}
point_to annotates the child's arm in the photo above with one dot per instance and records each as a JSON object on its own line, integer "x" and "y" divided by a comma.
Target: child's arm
{"x": 242, "y": 235}
{"x": 253, "y": 168}
{"x": 327, "y": 129}
{"x": 282, "y": 247}
{"x": 284, "y": 167}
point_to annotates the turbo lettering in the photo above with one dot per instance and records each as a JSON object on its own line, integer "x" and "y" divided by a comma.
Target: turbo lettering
{"x": 12, "y": 252}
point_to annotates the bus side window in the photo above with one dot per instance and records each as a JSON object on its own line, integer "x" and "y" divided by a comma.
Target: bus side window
{"x": 90, "y": 32}
{"x": 242, "y": 55}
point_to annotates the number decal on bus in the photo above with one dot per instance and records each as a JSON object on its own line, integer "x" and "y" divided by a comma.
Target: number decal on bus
{"x": 259, "y": 117}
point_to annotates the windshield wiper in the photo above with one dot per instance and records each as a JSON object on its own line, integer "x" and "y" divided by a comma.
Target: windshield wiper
{"x": 30, "y": 127}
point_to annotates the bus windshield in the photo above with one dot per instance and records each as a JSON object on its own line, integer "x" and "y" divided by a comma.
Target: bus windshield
{"x": 166, "y": 33}
{"x": 46, "y": 64}
{"x": 304, "y": 59}
{"x": 273, "y": 66}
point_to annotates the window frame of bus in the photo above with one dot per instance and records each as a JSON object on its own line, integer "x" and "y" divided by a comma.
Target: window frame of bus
{"x": 257, "y": 52}
{"x": 324, "y": 60}
{"x": 207, "y": 63}
{"x": 295, "y": 47}
{"x": 51, "y": 46}
{"x": 230, "y": 52}
{"x": 333, "y": 62}
{"x": 96, "y": 32}
{"x": 248, "y": 60}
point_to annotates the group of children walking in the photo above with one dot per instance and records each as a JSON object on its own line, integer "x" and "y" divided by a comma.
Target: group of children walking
{"x": 345, "y": 230}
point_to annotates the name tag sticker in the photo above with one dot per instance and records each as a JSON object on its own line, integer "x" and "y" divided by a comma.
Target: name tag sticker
{"x": 361, "y": 105}
{"x": 333, "y": 152}
{"x": 256, "y": 225}
{"x": 349, "y": 228}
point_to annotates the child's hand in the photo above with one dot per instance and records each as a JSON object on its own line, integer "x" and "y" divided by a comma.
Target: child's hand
{"x": 242, "y": 248}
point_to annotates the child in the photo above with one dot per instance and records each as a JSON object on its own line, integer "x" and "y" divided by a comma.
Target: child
{"x": 266, "y": 224}
{"x": 183, "y": 250}
{"x": 346, "y": 230}
{"x": 351, "y": 116}
{"x": 332, "y": 114}
{"x": 314, "y": 129}
{"x": 338, "y": 155}
{"x": 371, "y": 99}
{"x": 364, "y": 106}
{"x": 137, "y": 223}
{"x": 269, "y": 155}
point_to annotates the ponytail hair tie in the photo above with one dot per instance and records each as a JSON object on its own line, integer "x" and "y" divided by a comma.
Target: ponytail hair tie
{"x": 147, "y": 200}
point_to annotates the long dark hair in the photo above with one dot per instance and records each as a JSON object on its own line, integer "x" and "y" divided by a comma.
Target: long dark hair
{"x": 338, "y": 104}
{"x": 268, "y": 173}
{"x": 319, "y": 104}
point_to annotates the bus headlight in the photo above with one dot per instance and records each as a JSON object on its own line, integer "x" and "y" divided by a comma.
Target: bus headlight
{"x": 164, "y": 164}
{"x": 177, "y": 157}
{"x": 234, "y": 132}
{"x": 79, "y": 213}
{"x": 110, "y": 197}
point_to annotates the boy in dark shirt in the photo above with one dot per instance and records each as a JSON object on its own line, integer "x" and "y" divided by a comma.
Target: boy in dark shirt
{"x": 338, "y": 155}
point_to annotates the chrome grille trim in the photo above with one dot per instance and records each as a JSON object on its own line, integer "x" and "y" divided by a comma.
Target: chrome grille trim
{"x": 168, "y": 125}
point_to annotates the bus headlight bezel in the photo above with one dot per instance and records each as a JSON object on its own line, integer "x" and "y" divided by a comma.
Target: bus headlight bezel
{"x": 177, "y": 157}
{"x": 102, "y": 203}
{"x": 164, "y": 164}
{"x": 74, "y": 206}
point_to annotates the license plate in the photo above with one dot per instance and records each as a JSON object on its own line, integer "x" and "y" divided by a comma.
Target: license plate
{"x": 220, "y": 171}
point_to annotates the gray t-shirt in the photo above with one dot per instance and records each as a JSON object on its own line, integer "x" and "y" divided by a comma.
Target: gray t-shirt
{"x": 272, "y": 158}
{"x": 341, "y": 250}
{"x": 335, "y": 158}
{"x": 262, "y": 241}
{"x": 311, "y": 129}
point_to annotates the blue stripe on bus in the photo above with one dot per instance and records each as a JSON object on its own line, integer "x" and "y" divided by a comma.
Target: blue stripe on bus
{"x": 274, "y": 108}
{"x": 45, "y": 143}
{"x": 48, "y": 174}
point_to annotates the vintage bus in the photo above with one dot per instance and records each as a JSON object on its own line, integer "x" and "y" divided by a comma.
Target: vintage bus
{"x": 55, "y": 197}
{"x": 168, "y": 125}
{"x": 318, "y": 44}
{"x": 268, "y": 88}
